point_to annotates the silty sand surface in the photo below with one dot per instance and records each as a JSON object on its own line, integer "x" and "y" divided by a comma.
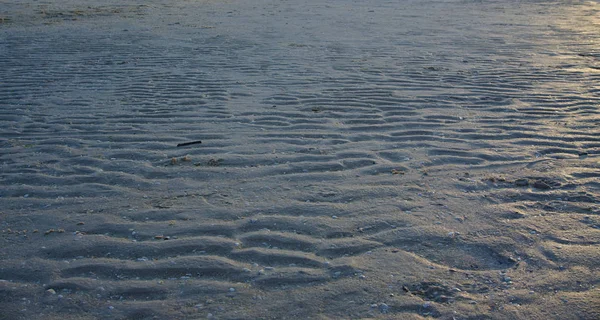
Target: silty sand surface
{"x": 359, "y": 159}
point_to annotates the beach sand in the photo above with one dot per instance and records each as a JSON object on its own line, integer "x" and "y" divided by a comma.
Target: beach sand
{"x": 358, "y": 159}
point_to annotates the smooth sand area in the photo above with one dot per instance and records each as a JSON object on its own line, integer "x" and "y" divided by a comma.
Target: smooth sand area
{"x": 359, "y": 159}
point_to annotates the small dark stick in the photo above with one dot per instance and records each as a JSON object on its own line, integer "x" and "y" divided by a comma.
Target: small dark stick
{"x": 188, "y": 143}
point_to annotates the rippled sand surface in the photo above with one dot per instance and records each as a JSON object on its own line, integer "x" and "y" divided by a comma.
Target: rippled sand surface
{"x": 358, "y": 159}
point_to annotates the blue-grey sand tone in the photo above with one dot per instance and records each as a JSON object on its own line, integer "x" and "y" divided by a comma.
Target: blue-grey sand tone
{"x": 299, "y": 159}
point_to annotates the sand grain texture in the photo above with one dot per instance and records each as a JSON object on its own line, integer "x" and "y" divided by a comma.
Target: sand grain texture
{"x": 372, "y": 159}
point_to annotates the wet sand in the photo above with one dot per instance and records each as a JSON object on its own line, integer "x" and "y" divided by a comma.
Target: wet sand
{"x": 368, "y": 159}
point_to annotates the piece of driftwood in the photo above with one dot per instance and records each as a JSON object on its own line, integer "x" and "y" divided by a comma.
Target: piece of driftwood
{"x": 188, "y": 143}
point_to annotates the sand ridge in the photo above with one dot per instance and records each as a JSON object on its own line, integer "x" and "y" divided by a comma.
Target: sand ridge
{"x": 421, "y": 159}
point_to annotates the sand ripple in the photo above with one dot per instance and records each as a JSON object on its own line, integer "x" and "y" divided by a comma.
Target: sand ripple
{"x": 412, "y": 159}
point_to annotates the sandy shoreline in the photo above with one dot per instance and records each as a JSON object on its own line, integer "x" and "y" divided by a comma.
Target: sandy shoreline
{"x": 422, "y": 159}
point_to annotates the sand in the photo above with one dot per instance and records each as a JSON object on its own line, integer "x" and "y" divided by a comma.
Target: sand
{"x": 358, "y": 159}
